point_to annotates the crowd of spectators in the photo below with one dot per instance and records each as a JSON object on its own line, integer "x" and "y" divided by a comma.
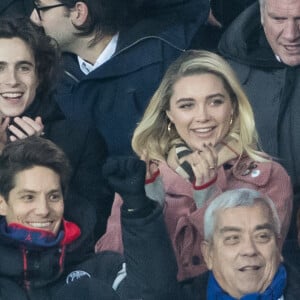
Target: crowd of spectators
{"x": 149, "y": 149}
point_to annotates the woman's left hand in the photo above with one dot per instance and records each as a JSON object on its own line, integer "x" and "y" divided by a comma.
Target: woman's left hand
{"x": 26, "y": 127}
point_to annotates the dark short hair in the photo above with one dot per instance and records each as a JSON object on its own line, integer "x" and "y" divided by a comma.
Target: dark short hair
{"x": 106, "y": 17}
{"x": 27, "y": 153}
{"x": 44, "y": 48}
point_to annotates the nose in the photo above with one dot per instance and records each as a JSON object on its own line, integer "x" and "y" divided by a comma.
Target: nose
{"x": 292, "y": 30}
{"x": 34, "y": 17}
{"x": 42, "y": 208}
{"x": 10, "y": 77}
{"x": 202, "y": 113}
{"x": 248, "y": 247}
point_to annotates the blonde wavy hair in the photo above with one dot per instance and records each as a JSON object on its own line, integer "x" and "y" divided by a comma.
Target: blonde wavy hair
{"x": 151, "y": 135}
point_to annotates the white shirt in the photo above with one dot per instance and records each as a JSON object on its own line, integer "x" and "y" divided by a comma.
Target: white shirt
{"x": 104, "y": 56}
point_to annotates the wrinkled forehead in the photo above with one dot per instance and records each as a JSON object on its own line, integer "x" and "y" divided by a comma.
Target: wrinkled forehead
{"x": 245, "y": 218}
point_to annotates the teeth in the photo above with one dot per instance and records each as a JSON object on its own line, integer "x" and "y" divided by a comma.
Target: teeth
{"x": 40, "y": 225}
{"x": 250, "y": 268}
{"x": 203, "y": 130}
{"x": 11, "y": 95}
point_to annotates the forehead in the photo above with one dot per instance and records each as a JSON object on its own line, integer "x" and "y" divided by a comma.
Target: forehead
{"x": 37, "y": 178}
{"x": 199, "y": 84}
{"x": 21, "y": 50}
{"x": 244, "y": 218}
{"x": 283, "y": 7}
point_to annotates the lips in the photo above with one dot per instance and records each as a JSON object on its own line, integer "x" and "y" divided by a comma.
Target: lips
{"x": 249, "y": 268}
{"x": 11, "y": 95}
{"x": 292, "y": 48}
{"x": 40, "y": 225}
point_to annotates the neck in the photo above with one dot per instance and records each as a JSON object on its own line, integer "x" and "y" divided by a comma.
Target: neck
{"x": 88, "y": 52}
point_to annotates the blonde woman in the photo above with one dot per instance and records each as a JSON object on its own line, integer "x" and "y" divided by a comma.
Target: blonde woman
{"x": 198, "y": 138}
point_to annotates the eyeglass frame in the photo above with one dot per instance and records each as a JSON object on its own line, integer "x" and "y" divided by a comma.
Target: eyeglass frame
{"x": 44, "y": 8}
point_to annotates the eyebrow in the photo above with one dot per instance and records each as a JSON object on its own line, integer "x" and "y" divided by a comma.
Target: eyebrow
{"x": 215, "y": 95}
{"x": 20, "y": 62}
{"x": 184, "y": 99}
{"x": 229, "y": 228}
{"x": 208, "y": 97}
{"x": 265, "y": 226}
{"x": 237, "y": 229}
{"x": 24, "y": 191}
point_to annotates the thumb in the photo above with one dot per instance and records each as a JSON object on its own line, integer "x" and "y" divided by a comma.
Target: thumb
{"x": 39, "y": 121}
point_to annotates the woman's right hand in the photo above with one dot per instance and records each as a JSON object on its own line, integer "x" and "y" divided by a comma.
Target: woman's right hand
{"x": 204, "y": 164}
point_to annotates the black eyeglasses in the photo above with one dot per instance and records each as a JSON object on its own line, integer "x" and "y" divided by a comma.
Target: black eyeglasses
{"x": 44, "y": 8}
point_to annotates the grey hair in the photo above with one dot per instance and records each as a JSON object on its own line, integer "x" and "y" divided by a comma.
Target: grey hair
{"x": 237, "y": 198}
{"x": 262, "y": 3}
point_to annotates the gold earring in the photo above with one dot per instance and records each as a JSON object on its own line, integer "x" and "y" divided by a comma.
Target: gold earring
{"x": 169, "y": 127}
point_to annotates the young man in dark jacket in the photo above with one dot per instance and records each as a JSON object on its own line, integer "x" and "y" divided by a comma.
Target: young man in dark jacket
{"x": 44, "y": 256}
{"x": 112, "y": 68}
{"x": 29, "y": 63}
{"x": 263, "y": 47}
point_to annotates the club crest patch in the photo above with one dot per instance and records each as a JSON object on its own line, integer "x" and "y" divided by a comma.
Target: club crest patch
{"x": 75, "y": 275}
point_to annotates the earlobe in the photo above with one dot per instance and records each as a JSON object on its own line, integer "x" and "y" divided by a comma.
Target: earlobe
{"x": 3, "y": 206}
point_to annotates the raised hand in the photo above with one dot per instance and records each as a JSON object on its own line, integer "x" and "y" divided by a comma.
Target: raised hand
{"x": 25, "y": 127}
{"x": 126, "y": 176}
{"x": 203, "y": 163}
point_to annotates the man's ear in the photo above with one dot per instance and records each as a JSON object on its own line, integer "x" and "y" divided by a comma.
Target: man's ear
{"x": 79, "y": 13}
{"x": 3, "y": 206}
{"x": 207, "y": 254}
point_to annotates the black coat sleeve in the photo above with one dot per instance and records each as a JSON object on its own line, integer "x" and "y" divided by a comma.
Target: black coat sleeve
{"x": 150, "y": 262}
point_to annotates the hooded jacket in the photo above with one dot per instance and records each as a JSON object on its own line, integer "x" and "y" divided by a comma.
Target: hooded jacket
{"x": 114, "y": 96}
{"x": 273, "y": 89}
{"x": 65, "y": 269}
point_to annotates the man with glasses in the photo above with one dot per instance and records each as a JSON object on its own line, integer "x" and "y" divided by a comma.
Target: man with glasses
{"x": 115, "y": 54}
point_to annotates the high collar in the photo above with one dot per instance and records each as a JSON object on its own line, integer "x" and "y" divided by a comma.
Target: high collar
{"x": 245, "y": 41}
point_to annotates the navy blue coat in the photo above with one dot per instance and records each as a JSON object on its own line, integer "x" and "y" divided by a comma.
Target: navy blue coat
{"x": 16, "y": 7}
{"x": 86, "y": 150}
{"x": 150, "y": 266}
{"x": 114, "y": 96}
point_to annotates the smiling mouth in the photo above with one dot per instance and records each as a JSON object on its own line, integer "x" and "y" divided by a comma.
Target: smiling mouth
{"x": 204, "y": 130}
{"x": 11, "y": 95}
{"x": 249, "y": 268}
{"x": 41, "y": 225}
{"x": 292, "y": 48}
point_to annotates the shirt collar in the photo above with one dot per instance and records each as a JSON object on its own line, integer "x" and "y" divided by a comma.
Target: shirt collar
{"x": 104, "y": 56}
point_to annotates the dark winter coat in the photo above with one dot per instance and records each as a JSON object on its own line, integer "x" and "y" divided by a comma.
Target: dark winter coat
{"x": 15, "y": 8}
{"x": 273, "y": 89}
{"x": 69, "y": 273}
{"x": 86, "y": 151}
{"x": 114, "y": 96}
